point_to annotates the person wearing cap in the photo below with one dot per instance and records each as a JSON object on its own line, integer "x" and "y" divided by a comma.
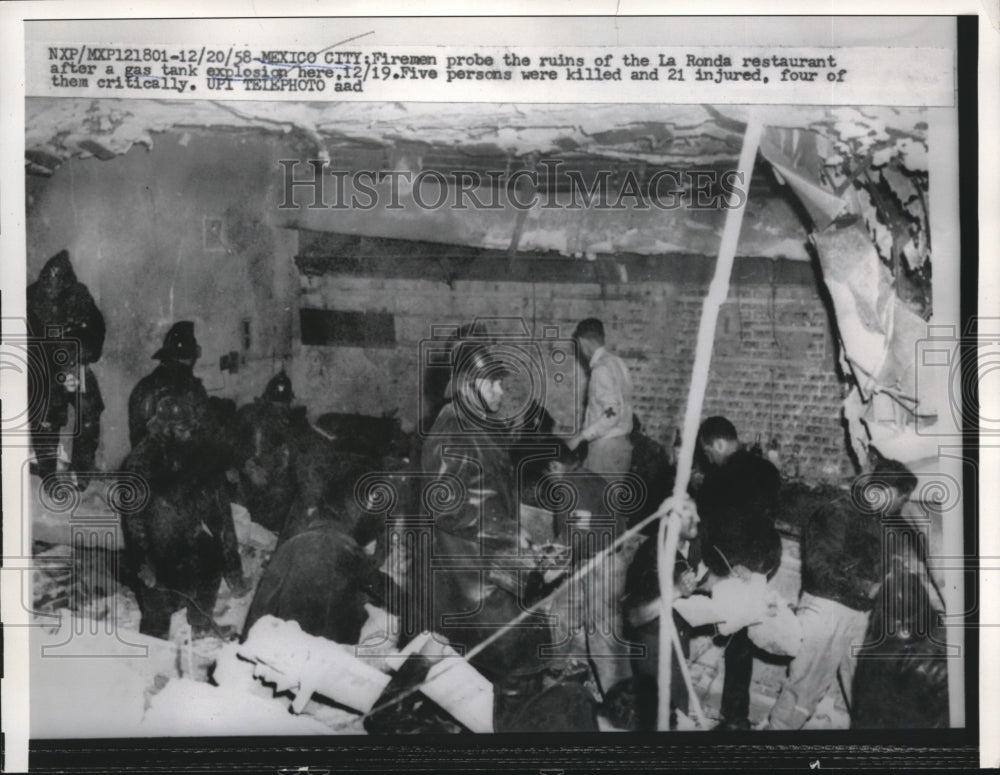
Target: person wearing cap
{"x": 842, "y": 567}
{"x": 174, "y": 376}
{"x": 608, "y": 419}
{"x": 279, "y": 390}
{"x": 182, "y": 543}
{"x": 464, "y": 450}
{"x": 268, "y": 431}
{"x": 58, "y": 305}
{"x": 471, "y": 419}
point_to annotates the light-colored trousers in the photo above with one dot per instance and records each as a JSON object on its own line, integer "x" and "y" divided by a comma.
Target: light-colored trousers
{"x": 829, "y": 630}
{"x": 588, "y": 624}
{"x": 609, "y": 456}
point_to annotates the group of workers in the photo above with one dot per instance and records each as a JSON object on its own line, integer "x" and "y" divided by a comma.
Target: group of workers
{"x": 562, "y": 616}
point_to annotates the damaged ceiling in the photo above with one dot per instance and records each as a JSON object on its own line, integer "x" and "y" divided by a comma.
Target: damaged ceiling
{"x": 629, "y": 140}
{"x": 679, "y": 135}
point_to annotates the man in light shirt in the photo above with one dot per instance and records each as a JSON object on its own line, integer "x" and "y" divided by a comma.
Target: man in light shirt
{"x": 608, "y": 419}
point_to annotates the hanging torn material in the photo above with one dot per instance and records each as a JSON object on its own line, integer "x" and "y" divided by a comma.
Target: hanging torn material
{"x": 864, "y": 188}
{"x": 797, "y": 157}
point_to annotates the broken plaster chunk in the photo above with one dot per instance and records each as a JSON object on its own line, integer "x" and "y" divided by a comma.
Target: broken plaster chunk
{"x": 249, "y": 533}
{"x": 914, "y": 154}
{"x": 305, "y": 692}
{"x": 233, "y": 672}
{"x": 316, "y": 665}
{"x": 461, "y": 690}
{"x": 452, "y": 682}
{"x": 281, "y": 682}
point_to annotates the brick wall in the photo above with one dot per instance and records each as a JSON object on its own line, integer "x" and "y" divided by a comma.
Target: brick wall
{"x": 773, "y": 373}
{"x": 773, "y": 367}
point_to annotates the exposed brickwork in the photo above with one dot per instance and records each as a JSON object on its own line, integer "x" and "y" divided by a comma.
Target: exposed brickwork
{"x": 773, "y": 367}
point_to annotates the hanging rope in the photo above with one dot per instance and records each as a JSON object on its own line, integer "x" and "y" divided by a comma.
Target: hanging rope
{"x": 669, "y": 532}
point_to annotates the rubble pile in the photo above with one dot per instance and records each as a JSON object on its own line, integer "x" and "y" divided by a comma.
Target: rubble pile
{"x": 146, "y": 686}
{"x": 281, "y": 680}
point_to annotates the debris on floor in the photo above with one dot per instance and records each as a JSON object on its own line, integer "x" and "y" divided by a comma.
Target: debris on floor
{"x": 212, "y": 686}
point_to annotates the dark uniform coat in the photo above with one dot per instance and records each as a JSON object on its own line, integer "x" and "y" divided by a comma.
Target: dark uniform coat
{"x": 170, "y": 378}
{"x": 481, "y": 523}
{"x": 185, "y": 536}
{"x": 737, "y": 503}
{"x": 317, "y": 578}
{"x": 842, "y": 554}
{"x": 57, "y": 303}
{"x": 266, "y": 461}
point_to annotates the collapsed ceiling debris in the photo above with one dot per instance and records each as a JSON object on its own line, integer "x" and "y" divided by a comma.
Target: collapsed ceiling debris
{"x": 863, "y": 182}
{"x": 60, "y": 129}
{"x": 57, "y": 129}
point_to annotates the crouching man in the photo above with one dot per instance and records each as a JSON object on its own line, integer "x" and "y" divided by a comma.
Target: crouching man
{"x": 320, "y": 576}
{"x": 738, "y": 504}
{"x": 841, "y": 571}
